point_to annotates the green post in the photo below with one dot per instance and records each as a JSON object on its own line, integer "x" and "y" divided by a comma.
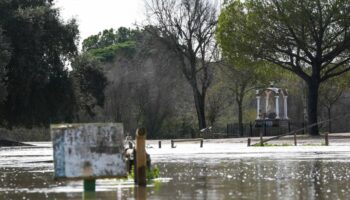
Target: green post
{"x": 89, "y": 185}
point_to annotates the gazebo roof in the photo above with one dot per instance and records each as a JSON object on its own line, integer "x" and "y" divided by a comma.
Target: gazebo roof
{"x": 273, "y": 89}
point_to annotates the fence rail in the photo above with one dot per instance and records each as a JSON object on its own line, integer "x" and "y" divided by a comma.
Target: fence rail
{"x": 251, "y": 130}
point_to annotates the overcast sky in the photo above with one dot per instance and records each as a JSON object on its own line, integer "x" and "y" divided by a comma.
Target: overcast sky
{"x": 94, "y": 16}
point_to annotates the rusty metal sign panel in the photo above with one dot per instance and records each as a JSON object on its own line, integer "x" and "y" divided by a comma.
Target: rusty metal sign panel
{"x": 92, "y": 150}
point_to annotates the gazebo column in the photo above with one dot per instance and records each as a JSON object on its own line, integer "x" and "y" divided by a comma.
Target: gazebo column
{"x": 257, "y": 107}
{"x": 277, "y": 107}
{"x": 285, "y": 107}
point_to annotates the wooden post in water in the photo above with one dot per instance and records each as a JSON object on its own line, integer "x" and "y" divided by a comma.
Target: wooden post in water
{"x": 160, "y": 144}
{"x": 201, "y": 144}
{"x": 326, "y": 139}
{"x": 141, "y": 193}
{"x": 141, "y": 159}
{"x": 295, "y": 138}
{"x": 248, "y": 142}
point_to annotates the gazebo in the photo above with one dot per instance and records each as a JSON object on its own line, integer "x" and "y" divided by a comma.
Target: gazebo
{"x": 272, "y": 106}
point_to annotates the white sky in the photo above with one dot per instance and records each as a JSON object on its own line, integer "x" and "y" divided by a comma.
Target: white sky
{"x": 94, "y": 16}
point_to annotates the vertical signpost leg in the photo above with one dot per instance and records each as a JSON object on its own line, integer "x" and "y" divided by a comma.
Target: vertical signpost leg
{"x": 141, "y": 162}
{"x": 89, "y": 189}
{"x": 89, "y": 185}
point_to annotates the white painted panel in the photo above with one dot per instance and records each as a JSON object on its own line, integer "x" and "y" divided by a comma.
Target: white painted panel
{"x": 92, "y": 150}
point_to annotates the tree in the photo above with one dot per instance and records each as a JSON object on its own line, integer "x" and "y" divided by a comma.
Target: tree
{"x": 330, "y": 93}
{"x": 308, "y": 38}
{"x": 89, "y": 83}
{"x": 40, "y": 45}
{"x": 187, "y": 27}
{"x": 240, "y": 80}
{"x": 5, "y": 55}
{"x": 109, "y": 37}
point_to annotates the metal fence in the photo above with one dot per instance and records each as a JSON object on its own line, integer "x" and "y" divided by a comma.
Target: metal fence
{"x": 252, "y": 130}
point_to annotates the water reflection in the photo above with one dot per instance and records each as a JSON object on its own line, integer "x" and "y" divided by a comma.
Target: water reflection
{"x": 269, "y": 177}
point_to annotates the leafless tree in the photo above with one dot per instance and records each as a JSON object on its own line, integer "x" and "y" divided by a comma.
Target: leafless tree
{"x": 187, "y": 27}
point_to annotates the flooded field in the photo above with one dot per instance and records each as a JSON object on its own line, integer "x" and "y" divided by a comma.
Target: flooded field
{"x": 216, "y": 171}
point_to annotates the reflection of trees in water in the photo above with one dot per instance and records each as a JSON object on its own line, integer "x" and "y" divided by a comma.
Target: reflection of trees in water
{"x": 316, "y": 180}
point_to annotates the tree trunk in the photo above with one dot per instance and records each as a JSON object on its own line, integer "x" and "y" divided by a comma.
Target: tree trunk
{"x": 240, "y": 118}
{"x": 199, "y": 101}
{"x": 312, "y": 101}
{"x": 329, "y": 109}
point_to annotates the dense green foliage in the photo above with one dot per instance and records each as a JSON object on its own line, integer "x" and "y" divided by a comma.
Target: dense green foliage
{"x": 108, "y": 43}
{"x": 108, "y": 53}
{"x": 307, "y": 38}
{"x": 37, "y": 81}
{"x": 89, "y": 83}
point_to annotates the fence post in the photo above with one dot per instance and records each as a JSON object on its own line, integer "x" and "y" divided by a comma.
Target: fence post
{"x": 288, "y": 126}
{"x": 227, "y": 130}
{"x": 141, "y": 160}
{"x": 303, "y": 126}
{"x": 326, "y": 139}
{"x": 261, "y": 134}
{"x": 251, "y": 129}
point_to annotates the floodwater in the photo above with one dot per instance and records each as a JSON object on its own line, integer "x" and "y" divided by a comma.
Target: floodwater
{"x": 216, "y": 171}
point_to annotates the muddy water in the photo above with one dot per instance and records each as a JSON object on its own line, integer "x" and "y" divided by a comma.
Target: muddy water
{"x": 188, "y": 172}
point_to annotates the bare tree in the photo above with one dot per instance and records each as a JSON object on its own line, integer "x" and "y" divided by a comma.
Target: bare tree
{"x": 187, "y": 27}
{"x": 330, "y": 94}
